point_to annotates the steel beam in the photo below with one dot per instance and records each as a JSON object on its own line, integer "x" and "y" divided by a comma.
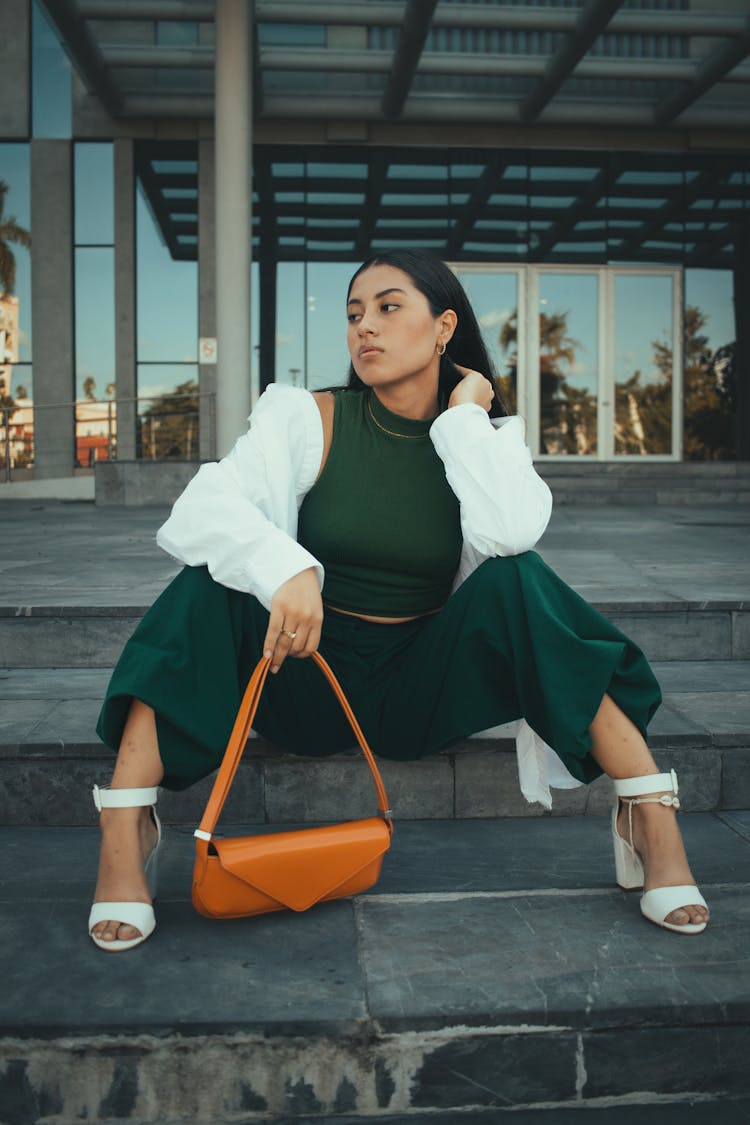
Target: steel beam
{"x": 591, "y": 23}
{"x": 476, "y": 64}
{"x": 675, "y": 209}
{"x": 504, "y": 17}
{"x": 411, "y": 40}
{"x": 257, "y": 76}
{"x": 485, "y": 185}
{"x": 587, "y": 198}
{"x": 267, "y": 268}
{"x": 159, "y": 207}
{"x": 390, "y": 14}
{"x": 376, "y": 180}
{"x": 194, "y": 11}
{"x": 83, "y": 52}
{"x": 434, "y": 108}
{"x": 200, "y": 58}
{"x": 710, "y": 71}
{"x": 160, "y": 104}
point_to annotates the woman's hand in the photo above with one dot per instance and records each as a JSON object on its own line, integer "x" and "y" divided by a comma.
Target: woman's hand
{"x": 296, "y": 608}
{"x": 472, "y": 388}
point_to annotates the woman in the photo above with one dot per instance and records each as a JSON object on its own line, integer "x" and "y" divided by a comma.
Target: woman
{"x": 388, "y": 524}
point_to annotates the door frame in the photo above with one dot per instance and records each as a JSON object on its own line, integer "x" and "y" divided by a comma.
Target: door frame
{"x": 676, "y": 273}
{"x": 527, "y": 288}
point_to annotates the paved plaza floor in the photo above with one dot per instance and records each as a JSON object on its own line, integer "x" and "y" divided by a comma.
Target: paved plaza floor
{"x": 56, "y": 553}
{"x": 494, "y": 966}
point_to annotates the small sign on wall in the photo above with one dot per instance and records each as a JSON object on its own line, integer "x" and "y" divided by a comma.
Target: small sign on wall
{"x": 207, "y": 349}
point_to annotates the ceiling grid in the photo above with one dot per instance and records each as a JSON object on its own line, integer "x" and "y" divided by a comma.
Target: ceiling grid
{"x": 557, "y": 66}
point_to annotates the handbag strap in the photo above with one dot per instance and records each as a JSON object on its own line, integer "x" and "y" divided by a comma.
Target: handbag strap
{"x": 240, "y": 733}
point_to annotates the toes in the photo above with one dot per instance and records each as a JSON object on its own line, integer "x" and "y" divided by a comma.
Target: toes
{"x": 688, "y": 915}
{"x": 678, "y": 918}
{"x": 127, "y": 933}
{"x": 115, "y": 931}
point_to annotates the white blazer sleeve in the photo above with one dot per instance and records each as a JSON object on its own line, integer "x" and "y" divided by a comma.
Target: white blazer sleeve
{"x": 238, "y": 516}
{"x": 505, "y": 505}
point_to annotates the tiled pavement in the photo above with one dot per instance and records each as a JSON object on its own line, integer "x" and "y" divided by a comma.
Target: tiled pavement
{"x": 493, "y": 968}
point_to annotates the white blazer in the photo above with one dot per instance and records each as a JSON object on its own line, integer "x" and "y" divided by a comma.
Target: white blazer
{"x": 238, "y": 516}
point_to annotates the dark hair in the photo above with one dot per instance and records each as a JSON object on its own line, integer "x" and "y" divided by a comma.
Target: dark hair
{"x": 443, "y": 291}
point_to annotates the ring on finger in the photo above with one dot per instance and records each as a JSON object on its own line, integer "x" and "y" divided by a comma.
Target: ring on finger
{"x": 287, "y": 633}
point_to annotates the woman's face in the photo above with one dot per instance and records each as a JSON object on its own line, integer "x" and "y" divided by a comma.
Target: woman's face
{"x": 392, "y": 334}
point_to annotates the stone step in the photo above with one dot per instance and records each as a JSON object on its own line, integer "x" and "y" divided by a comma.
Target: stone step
{"x": 658, "y": 494}
{"x": 50, "y": 757}
{"x": 493, "y": 968}
{"x": 632, "y": 483}
{"x": 92, "y": 636}
{"x": 137, "y": 483}
{"x": 667, "y": 470}
{"x": 667, "y": 1111}
{"x": 600, "y": 483}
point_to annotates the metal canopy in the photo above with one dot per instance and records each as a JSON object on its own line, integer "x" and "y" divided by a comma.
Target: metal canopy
{"x": 328, "y": 203}
{"x": 601, "y": 61}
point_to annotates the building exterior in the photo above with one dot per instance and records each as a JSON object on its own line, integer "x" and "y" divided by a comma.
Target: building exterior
{"x": 200, "y": 180}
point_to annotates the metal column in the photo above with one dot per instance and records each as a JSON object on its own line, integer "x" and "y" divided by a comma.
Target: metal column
{"x": 742, "y": 346}
{"x": 233, "y": 128}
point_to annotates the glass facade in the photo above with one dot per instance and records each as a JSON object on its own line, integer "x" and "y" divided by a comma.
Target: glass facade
{"x": 495, "y": 296}
{"x": 51, "y": 111}
{"x": 483, "y": 205}
{"x": 16, "y": 372}
{"x": 94, "y": 194}
{"x": 569, "y": 364}
{"x": 644, "y": 363}
{"x": 167, "y": 337}
{"x": 710, "y": 392}
{"x": 602, "y": 279}
{"x": 94, "y": 288}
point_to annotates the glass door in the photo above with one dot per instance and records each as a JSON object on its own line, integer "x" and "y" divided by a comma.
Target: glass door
{"x": 604, "y": 350}
{"x": 497, "y": 297}
{"x": 646, "y": 362}
{"x": 565, "y": 341}
{"x": 590, "y": 356}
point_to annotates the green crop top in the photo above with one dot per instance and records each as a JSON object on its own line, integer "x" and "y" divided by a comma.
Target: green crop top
{"x": 382, "y": 518}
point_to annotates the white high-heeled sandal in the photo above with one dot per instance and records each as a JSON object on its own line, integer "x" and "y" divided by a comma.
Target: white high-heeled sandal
{"x": 137, "y": 914}
{"x": 659, "y": 902}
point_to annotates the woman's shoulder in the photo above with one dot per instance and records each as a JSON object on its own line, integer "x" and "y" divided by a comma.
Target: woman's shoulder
{"x": 286, "y": 425}
{"x": 278, "y": 393}
{"x": 280, "y": 402}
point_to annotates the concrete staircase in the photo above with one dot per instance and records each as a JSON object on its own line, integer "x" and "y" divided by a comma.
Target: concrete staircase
{"x": 494, "y": 968}
{"x": 49, "y": 757}
{"x": 629, "y": 483}
{"x": 637, "y": 483}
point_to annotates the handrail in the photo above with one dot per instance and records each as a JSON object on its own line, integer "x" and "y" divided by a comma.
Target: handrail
{"x": 7, "y": 422}
{"x": 26, "y": 403}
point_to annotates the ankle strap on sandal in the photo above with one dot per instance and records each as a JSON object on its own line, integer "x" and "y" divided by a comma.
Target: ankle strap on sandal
{"x": 105, "y": 798}
{"x": 649, "y": 783}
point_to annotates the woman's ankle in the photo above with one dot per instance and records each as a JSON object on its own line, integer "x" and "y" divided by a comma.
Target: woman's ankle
{"x": 122, "y": 818}
{"x": 129, "y": 824}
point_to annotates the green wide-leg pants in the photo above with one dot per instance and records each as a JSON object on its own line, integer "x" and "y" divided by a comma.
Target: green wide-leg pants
{"x": 514, "y": 641}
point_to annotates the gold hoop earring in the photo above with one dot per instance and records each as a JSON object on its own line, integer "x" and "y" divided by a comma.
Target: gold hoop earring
{"x": 441, "y": 349}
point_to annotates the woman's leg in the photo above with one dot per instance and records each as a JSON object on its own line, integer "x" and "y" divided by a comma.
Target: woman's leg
{"x": 621, "y": 751}
{"x": 128, "y": 835}
{"x": 515, "y": 641}
{"x": 191, "y": 657}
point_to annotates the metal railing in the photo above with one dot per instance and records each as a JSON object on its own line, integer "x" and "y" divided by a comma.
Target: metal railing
{"x": 154, "y": 427}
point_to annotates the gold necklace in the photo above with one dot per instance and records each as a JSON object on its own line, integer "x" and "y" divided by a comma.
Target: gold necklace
{"x": 392, "y": 433}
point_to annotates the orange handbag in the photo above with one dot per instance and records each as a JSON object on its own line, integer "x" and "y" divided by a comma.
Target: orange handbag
{"x": 235, "y": 877}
